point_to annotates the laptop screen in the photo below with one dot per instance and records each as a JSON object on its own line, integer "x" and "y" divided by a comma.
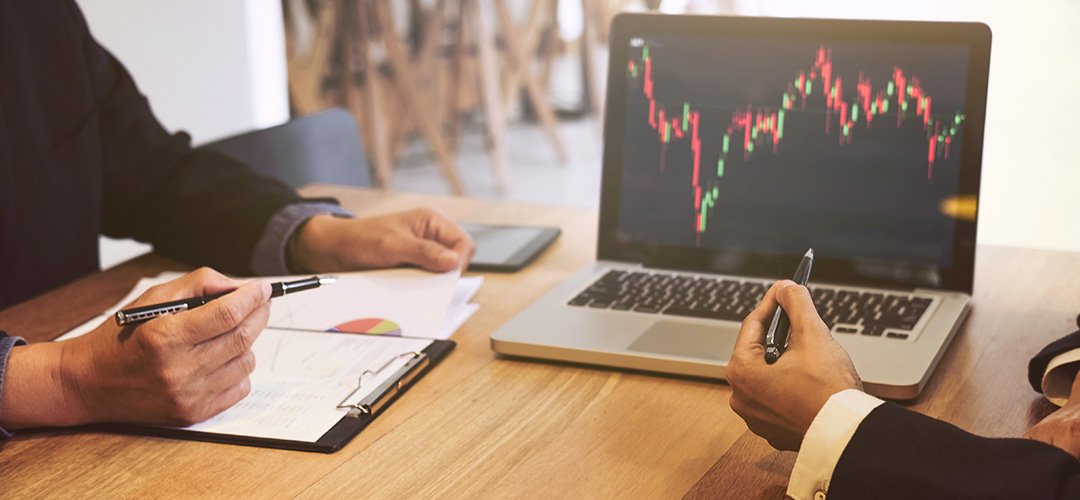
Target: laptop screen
{"x": 759, "y": 147}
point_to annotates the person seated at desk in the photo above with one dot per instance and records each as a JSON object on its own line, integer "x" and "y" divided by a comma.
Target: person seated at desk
{"x": 853, "y": 445}
{"x": 81, "y": 154}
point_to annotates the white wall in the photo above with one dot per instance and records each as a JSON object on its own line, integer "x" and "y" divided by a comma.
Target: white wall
{"x": 1031, "y": 161}
{"x": 209, "y": 67}
{"x": 212, "y": 68}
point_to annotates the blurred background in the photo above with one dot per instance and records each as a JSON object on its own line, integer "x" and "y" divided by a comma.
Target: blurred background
{"x": 501, "y": 98}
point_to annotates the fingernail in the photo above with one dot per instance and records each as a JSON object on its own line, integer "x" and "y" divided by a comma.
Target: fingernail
{"x": 448, "y": 256}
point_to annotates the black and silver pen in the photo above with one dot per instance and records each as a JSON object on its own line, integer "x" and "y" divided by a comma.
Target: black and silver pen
{"x": 776, "y": 338}
{"x": 137, "y": 315}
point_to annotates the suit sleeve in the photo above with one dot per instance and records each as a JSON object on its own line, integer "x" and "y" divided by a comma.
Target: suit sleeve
{"x": 197, "y": 206}
{"x": 898, "y": 453}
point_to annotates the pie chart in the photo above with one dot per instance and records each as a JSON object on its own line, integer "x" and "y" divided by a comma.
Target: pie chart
{"x": 375, "y": 326}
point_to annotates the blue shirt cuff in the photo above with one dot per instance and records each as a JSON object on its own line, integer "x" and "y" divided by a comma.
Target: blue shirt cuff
{"x": 269, "y": 258}
{"x": 6, "y": 343}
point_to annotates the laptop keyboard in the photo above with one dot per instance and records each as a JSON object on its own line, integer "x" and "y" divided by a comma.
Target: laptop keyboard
{"x": 853, "y": 312}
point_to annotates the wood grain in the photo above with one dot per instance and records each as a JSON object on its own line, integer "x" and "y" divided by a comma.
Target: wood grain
{"x": 485, "y": 426}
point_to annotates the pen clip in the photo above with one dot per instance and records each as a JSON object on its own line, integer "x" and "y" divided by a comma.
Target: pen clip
{"x": 393, "y": 384}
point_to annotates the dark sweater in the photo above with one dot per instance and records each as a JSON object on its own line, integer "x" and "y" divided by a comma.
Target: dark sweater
{"x": 82, "y": 155}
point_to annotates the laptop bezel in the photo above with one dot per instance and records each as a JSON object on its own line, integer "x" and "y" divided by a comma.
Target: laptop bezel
{"x": 625, "y": 26}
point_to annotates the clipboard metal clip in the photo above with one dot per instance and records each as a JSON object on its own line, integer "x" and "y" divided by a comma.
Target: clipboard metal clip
{"x": 381, "y": 394}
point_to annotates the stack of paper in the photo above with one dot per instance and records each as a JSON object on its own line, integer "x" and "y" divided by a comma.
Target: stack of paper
{"x": 401, "y": 302}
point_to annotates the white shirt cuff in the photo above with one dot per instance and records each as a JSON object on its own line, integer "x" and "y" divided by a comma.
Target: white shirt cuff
{"x": 1058, "y": 379}
{"x": 825, "y": 441}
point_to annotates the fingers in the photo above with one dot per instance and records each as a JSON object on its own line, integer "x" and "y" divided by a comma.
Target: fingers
{"x": 753, "y": 328}
{"x": 1074, "y": 393}
{"x": 450, "y": 234}
{"x": 440, "y": 229}
{"x": 206, "y": 281}
{"x": 223, "y": 388}
{"x": 797, "y": 303}
{"x": 222, "y": 314}
{"x": 216, "y": 352}
{"x": 229, "y": 397}
{"x": 799, "y": 306}
{"x": 202, "y": 281}
{"x": 231, "y": 373}
{"x": 428, "y": 254}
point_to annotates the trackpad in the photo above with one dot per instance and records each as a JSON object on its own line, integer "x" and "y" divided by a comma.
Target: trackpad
{"x": 688, "y": 339}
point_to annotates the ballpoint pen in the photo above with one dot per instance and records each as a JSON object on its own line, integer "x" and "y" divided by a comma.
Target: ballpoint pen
{"x": 776, "y": 338}
{"x": 137, "y": 315}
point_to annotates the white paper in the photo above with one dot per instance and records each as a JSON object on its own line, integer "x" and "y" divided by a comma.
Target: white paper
{"x": 460, "y": 309}
{"x": 407, "y": 302}
{"x": 400, "y": 302}
{"x": 301, "y": 376}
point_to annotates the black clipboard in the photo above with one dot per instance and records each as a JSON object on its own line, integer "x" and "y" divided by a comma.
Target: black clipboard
{"x": 355, "y": 421}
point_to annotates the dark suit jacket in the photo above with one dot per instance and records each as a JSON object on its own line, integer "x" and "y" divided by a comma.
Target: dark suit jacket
{"x": 81, "y": 154}
{"x": 898, "y": 453}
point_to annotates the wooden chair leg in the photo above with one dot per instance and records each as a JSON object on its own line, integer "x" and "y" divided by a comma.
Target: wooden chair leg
{"x": 306, "y": 66}
{"x": 363, "y": 101}
{"x": 530, "y": 38}
{"x": 519, "y": 64}
{"x": 424, "y": 68}
{"x": 494, "y": 117}
{"x": 405, "y": 86}
{"x": 590, "y": 46}
{"x": 551, "y": 44}
{"x": 451, "y": 114}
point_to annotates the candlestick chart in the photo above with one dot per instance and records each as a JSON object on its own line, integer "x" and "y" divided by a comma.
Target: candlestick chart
{"x": 834, "y": 106}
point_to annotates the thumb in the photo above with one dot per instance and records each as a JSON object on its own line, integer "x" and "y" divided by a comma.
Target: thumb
{"x": 1074, "y": 394}
{"x": 806, "y": 324}
{"x": 428, "y": 254}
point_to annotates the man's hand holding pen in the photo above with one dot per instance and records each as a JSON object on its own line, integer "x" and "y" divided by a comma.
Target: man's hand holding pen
{"x": 778, "y": 401}
{"x": 177, "y": 369}
{"x": 186, "y": 367}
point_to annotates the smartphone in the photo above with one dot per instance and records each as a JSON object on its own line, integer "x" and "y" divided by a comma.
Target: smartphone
{"x": 508, "y": 248}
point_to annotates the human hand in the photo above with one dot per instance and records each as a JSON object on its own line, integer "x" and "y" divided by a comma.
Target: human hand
{"x": 178, "y": 369}
{"x": 1062, "y": 428}
{"x": 779, "y": 401}
{"x": 423, "y": 237}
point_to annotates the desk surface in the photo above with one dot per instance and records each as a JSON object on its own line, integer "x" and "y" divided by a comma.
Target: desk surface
{"x": 481, "y": 426}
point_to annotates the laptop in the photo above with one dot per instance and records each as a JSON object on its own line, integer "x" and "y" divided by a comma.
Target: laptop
{"x": 734, "y": 144}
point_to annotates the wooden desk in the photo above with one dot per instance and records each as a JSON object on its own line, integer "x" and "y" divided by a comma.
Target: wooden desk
{"x": 480, "y": 426}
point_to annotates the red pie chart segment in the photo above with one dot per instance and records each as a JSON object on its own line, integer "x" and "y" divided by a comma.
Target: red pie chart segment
{"x": 377, "y": 326}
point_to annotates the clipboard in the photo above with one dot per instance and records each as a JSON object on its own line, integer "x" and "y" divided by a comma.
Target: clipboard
{"x": 357, "y": 417}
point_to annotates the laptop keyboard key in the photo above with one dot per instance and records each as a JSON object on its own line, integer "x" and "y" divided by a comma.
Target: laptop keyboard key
{"x": 722, "y": 314}
{"x": 580, "y": 300}
{"x": 875, "y": 330}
